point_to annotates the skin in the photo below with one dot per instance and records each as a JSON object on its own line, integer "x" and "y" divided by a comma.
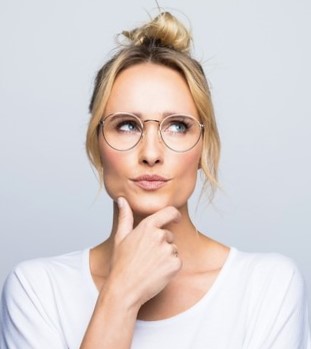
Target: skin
{"x": 136, "y": 270}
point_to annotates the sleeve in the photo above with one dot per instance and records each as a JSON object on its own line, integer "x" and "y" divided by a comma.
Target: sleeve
{"x": 26, "y": 320}
{"x": 278, "y": 317}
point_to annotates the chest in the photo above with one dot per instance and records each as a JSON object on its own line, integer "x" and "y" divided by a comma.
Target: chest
{"x": 201, "y": 326}
{"x": 181, "y": 294}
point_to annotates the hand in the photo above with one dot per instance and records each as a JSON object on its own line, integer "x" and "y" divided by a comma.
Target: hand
{"x": 144, "y": 259}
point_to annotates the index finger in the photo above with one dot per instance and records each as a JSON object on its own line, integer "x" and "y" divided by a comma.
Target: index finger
{"x": 165, "y": 216}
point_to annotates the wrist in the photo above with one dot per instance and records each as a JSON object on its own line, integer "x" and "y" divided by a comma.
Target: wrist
{"x": 116, "y": 296}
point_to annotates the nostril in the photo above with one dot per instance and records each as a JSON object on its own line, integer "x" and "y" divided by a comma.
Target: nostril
{"x": 150, "y": 162}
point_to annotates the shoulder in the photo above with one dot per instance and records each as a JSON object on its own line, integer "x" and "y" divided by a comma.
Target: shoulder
{"x": 40, "y": 297}
{"x": 44, "y": 273}
{"x": 274, "y": 299}
{"x": 271, "y": 277}
{"x": 62, "y": 263}
{"x": 266, "y": 265}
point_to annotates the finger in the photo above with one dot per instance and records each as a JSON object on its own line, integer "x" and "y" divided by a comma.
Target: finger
{"x": 125, "y": 219}
{"x": 165, "y": 216}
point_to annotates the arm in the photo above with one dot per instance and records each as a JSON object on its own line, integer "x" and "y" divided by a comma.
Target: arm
{"x": 112, "y": 323}
{"x": 143, "y": 263}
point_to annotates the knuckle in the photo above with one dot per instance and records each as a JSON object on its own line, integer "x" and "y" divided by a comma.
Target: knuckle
{"x": 173, "y": 211}
{"x": 169, "y": 236}
{"x": 160, "y": 235}
{"x": 148, "y": 224}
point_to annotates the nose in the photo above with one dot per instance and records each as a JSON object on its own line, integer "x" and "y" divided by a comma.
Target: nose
{"x": 151, "y": 146}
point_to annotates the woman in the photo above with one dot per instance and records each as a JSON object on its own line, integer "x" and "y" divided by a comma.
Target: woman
{"x": 156, "y": 282}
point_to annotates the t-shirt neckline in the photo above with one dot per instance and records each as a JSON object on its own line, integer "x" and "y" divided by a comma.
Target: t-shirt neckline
{"x": 200, "y": 304}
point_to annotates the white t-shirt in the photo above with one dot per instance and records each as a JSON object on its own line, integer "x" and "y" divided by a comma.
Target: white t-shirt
{"x": 258, "y": 301}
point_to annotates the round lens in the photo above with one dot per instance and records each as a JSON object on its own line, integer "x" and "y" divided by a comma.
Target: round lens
{"x": 122, "y": 131}
{"x": 180, "y": 132}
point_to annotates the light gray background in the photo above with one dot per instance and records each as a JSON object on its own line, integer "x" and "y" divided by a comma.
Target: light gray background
{"x": 257, "y": 56}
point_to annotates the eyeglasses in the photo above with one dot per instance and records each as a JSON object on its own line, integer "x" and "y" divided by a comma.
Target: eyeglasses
{"x": 123, "y": 131}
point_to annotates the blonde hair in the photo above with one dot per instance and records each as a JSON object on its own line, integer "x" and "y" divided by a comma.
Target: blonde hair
{"x": 165, "y": 41}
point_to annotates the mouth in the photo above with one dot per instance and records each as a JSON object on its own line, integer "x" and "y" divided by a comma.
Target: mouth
{"x": 150, "y": 182}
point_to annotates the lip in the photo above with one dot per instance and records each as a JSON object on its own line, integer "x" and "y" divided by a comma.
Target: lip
{"x": 150, "y": 182}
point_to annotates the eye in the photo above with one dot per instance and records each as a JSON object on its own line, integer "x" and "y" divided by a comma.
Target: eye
{"x": 128, "y": 126}
{"x": 124, "y": 124}
{"x": 177, "y": 125}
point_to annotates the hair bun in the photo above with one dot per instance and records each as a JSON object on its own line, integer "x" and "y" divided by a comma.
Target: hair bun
{"x": 164, "y": 30}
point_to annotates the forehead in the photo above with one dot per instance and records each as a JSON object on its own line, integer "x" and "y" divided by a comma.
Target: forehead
{"x": 150, "y": 89}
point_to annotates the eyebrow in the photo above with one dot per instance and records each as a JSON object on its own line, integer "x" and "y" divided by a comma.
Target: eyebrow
{"x": 163, "y": 115}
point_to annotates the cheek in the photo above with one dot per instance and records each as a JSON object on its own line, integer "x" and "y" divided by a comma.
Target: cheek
{"x": 109, "y": 161}
{"x": 110, "y": 158}
{"x": 114, "y": 165}
{"x": 187, "y": 168}
{"x": 190, "y": 161}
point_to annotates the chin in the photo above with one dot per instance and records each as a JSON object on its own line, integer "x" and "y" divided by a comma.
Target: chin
{"x": 144, "y": 204}
{"x": 145, "y": 208}
{"x": 147, "y": 205}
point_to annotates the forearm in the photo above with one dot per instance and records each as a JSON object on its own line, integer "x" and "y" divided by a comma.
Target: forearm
{"x": 112, "y": 323}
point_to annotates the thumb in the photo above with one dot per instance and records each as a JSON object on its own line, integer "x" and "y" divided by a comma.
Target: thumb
{"x": 125, "y": 219}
